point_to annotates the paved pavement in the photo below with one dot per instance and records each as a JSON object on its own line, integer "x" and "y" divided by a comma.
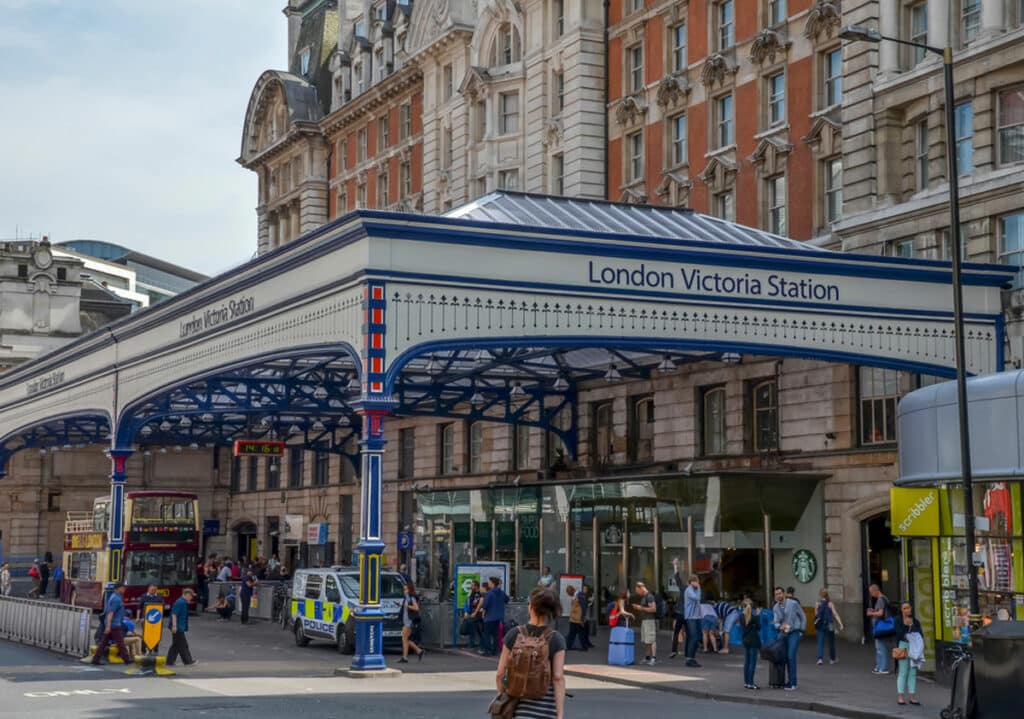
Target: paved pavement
{"x": 35, "y": 684}
{"x": 846, "y": 689}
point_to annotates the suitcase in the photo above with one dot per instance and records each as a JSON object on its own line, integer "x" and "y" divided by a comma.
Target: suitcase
{"x": 776, "y": 675}
{"x": 621, "y": 646}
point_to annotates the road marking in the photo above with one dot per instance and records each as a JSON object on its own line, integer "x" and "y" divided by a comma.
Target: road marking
{"x": 77, "y": 693}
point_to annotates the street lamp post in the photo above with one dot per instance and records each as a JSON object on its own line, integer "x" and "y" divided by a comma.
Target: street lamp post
{"x": 865, "y": 34}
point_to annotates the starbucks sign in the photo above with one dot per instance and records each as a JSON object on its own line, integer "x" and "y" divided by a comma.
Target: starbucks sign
{"x": 805, "y": 566}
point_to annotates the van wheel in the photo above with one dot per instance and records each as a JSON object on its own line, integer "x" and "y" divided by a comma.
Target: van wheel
{"x": 301, "y": 639}
{"x": 346, "y": 639}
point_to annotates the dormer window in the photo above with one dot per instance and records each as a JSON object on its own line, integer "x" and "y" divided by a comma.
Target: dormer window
{"x": 304, "y": 61}
{"x": 507, "y": 47}
{"x": 359, "y": 28}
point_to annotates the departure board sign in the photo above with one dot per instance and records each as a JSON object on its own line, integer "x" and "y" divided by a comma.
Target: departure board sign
{"x": 258, "y": 448}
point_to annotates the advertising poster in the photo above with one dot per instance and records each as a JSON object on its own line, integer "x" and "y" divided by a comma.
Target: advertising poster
{"x": 564, "y": 582}
{"x": 292, "y": 531}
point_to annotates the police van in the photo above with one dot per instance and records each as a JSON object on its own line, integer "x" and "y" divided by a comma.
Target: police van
{"x": 324, "y": 602}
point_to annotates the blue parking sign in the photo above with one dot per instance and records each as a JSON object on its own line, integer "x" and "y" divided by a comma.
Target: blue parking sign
{"x": 405, "y": 541}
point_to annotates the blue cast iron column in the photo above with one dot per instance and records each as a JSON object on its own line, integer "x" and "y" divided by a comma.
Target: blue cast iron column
{"x": 369, "y": 616}
{"x": 115, "y": 532}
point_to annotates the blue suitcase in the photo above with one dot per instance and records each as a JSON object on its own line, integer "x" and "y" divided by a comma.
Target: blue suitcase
{"x": 621, "y": 647}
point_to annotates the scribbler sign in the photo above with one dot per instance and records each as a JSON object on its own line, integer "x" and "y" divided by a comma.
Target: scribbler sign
{"x": 915, "y": 512}
{"x": 258, "y": 448}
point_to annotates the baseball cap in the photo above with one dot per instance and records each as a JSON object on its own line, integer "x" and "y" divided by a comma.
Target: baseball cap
{"x": 111, "y": 586}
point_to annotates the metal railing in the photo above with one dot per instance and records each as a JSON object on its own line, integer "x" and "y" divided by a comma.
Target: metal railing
{"x": 53, "y": 626}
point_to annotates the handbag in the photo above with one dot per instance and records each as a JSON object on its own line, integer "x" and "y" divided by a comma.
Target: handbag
{"x": 466, "y": 627}
{"x": 885, "y": 627}
{"x": 502, "y": 706}
{"x": 899, "y": 653}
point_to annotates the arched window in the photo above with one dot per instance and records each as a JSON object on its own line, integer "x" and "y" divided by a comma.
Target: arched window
{"x": 765, "y": 416}
{"x": 476, "y": 447}
{"x": 507, "y": 47}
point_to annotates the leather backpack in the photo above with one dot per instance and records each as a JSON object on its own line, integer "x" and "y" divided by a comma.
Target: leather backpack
{"x": 529, "y": 666}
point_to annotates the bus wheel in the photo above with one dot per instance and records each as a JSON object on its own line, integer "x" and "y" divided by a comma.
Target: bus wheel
{"x": 301, "y": 639}
{"x": 345, "y": 639}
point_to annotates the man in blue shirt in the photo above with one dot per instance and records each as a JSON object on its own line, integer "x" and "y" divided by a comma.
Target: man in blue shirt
{"x": 494, "y": 614}
{"x": 179, "y": 625}
{"x": 248, "y": 587}
{"x": 692, "y": 615}
{"x": 113, "y": 624}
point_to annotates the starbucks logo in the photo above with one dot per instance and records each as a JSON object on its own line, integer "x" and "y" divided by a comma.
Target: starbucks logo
{"x": 613, "y": 535}
{"x": 805, "y": 566}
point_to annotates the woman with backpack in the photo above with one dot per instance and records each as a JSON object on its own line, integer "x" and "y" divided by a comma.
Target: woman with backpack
{"x": 410, "y": 614}
{"x": 826, "y": 621}
{"x": 530, "y": 670}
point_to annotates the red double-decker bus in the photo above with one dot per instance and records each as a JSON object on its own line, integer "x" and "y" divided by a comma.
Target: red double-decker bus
{"x": 161, "y": 547}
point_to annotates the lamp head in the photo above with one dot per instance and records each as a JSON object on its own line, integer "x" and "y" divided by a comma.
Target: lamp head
{"x": 860, "y": 33}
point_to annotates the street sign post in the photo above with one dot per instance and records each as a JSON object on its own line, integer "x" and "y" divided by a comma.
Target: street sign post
{"x": 152, "y": 625}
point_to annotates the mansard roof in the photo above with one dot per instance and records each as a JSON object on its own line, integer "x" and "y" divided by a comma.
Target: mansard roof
{"x": 625, "y": 219}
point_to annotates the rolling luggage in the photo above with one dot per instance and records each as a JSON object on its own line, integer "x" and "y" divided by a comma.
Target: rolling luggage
{"x": 621, "y": 647}
{"x": 777, "y": 675}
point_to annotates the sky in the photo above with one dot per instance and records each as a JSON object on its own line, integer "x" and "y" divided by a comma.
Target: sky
{"x": 120, "y": 120}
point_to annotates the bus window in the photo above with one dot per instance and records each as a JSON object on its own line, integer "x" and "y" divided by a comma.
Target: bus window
{"x": 82, "y": 566}
{"x": 164, "y": 569}
{"x": 162, "y": 509}
{"x": 100, "y": 515}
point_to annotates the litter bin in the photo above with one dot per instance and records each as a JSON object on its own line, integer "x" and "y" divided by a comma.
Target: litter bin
{"x": 998, "y": 651}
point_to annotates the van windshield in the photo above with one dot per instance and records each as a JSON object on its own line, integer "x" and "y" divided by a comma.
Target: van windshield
{"x": 390, "y": 585}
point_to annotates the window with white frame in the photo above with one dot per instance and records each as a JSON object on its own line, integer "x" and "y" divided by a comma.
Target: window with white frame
{"x": 446, "y": 447}
{"x": 360, "y": 195}
{"x": 921, "y": 153}
{"x": 558, "y": 174}
{"x": 405, "y": 179}
{"x": 970, "y": 20}
{"x": 777, "y": 204}
{"x": 641, "y": 435}
{"x": 725, "y": 25}
{"x": 725, "y": 206}
{"x": 448, "y": 81}
{"x": 507, "y": 47}
{"x": 476, "y": 447}
{"x": 724, "y": 121}
{"x": 903, "y": 249}
{"x": 404, "y": 121}
{"x": 479, "y": 120}
{"x": 964, "y": 123}
{"x": 635, "y": 156}
{"x": 918, "y": 31}
{"x": 679, "y": 47}
{"x": 481, "y": 186}
{"x": 879, "y": 393}
{"x": 343, "y": 154}
{"x": 833, "y": 169}
{"x": 382, "y": 188}
{"x": 713, "y": 426}
{"x": 342, "y": 202}
{"x": 406, "y": 452}
{"x": 558, "y": 91}
{"x": 382, "y": 133}
{"x": 304, "y": 58}
{"x": 521, "y": 446}
{"x": 361, "y": 145}
{"x": 832, "y": 73}
{"x": 508, "y": 180}
{"x": 635, "y": 57}
{"x": 602, "y": 448}
{"x": 777, "y": 98}
{"x": 764, "y": 405}
{"x": 1011, "y": 244}
{"x": 357, "y": 71}
{"x": 636, "y": 5}
{"x": 1010, "y": 125}
{"x": 558, "y": 13}
{"x": 776, "y": 12}
{"x": 678, "y": 124}
{"x": 946, "y": 244}
{"x": 509, "y": 105}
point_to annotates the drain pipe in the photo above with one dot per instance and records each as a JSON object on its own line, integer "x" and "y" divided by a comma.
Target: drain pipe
{"x": 604, "y": 110}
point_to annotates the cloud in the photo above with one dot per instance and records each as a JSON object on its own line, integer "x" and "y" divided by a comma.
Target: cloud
{"x": 122, "y": 120}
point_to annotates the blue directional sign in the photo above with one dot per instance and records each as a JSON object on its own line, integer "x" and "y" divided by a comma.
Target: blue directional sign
{"x": 405, "y": 541}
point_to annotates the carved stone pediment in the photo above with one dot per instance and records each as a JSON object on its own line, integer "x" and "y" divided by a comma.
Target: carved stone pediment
{"x": 476, "y": 83}
{"x": 715, "y": 69}
{"x": 767, "y": 44}
{"x": 824, "y": 17}
{"x": 825, "y": 137}
{"x": 630, "y": 109}
{"x": 633, "y": 194}
{"x": 770, "y": 154}
{"x": 672, "y": 89}
{"x": 361, "y": 177}
{"x": 719, "y": 174}
{"x": 678, "y": 181}
{"x": 444, "y": 177}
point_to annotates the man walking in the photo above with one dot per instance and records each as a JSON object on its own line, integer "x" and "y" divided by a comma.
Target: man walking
{"x": 879, "y": 608}
{"x": 5, "y": 579}
{"x": 692, "y": 615}
{"x": 113, "y": 624}
{"x": 791, "y": 621}
{"x": 33, "y": 573}
{"x": 248, "y": 587}
{"x": 648, "y": 610}
{"x": 179, "y": 625}
{"x": 44, "y": 576}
